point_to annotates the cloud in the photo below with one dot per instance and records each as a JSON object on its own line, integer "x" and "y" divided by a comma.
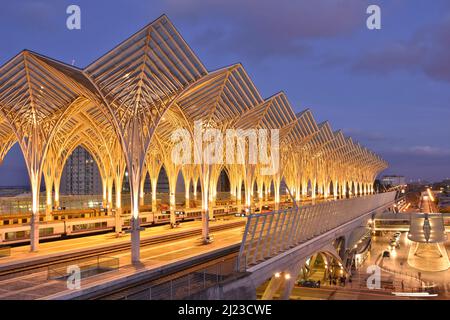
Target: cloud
{"x": 32, "y": 14}
{"x": 418, "y": 162}
{"x": 261, "y": 28}
{"x": 426, "y": 51}
{"x": 423, "y": 151}
{"x": 364, "y": 135}
{"x": 391, "y": 58}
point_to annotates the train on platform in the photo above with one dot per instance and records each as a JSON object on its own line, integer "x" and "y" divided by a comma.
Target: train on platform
{"x": 15, "y": 228}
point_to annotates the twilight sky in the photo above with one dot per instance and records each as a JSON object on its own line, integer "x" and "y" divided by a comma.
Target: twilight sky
{"x": 389, "y": 89}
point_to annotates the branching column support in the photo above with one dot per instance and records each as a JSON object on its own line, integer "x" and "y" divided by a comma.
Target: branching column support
{"x": 232, "y": 188}
{"x": 110, "y": 187}
{"x": 195, "y": 178}
{"x": 135, "y": 164}
{"x": 194, "y": 186}
{"x": 119, "y": 172}
{"x": 304, "y": 188}
{"x": 57, "y": 181}
{"x": 344, "y": 189}
{"x": 313, "y": 187}
{"x": 187, "y": 192}
{"x": 35, "y": 179}
{"x": 276, "y": 186}
{"x": 48, "y": 179}
{"x": 335, "y": 188}
{"x": 326, "y": 189}
{"x": 104, "y": 192}
{"x": 153, "y": 164}
{"x": 320, "y": 188}
{"x": 57, "y": 184}
{"x": 204, "y": 182}
{"x": 172, "y": 175}
{"x": 213, "y": 179}
{"x": 266, "y": 189}
{"x": 260, "y": 186}
{"x": 118, "y": 181}
{"x": 154, "y": 183}
{"x": 33, "y": 155}
{"x": 239, "y": 190}
{"x": 187, "y": 177}
{"x": 141, "y": 189}
{"x": 249, "y": 172}
{"x": 297, "y": 191}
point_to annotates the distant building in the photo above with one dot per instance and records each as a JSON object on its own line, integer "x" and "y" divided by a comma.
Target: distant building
{"x": 80, "y": 174}
{"x": 393, "y": 181}
{"x": 223, "y": 184}
{"x": 13, "y": 191}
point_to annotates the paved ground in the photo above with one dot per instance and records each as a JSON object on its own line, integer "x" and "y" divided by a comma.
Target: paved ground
{"x": 403, "y": 279}
{"x": 398, "y": 262}
{"x": 155, "y": 256}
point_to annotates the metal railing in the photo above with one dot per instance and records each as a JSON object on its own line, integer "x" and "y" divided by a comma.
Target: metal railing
{"x": 88, "y": 267}
{"x": 403, "y": 274}
{"x": 184, "y": 286}
{"x": 268, "y": 234}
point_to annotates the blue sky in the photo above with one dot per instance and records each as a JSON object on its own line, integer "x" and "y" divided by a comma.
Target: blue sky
{"x": 389, "y": 88}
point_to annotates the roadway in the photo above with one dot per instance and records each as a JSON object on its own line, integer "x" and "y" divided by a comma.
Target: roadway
{"x": 426, "y": 203}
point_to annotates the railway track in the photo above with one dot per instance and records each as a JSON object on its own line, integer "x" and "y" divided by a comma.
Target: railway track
{"x": 122, "y": 292}
{"x": 28, "y": 267}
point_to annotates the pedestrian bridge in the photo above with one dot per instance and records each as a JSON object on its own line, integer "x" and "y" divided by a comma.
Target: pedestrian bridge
{"x": 272, "y": 253}
{"x": 276, "y": 245}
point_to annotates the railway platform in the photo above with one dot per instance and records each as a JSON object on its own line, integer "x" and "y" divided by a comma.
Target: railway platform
{"x": 163, "y": 250}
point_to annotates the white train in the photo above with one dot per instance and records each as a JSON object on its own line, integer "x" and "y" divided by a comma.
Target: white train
{"x": 76, "y": 223}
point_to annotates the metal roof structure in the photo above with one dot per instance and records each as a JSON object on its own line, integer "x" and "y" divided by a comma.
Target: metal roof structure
{"x": 124, "y": 107}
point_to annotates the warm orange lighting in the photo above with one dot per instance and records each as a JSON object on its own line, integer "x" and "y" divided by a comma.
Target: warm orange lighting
{"x": 430, "y": 194}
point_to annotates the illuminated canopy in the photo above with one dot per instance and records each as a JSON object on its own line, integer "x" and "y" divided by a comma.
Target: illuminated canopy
{"x": 123, "y": 108}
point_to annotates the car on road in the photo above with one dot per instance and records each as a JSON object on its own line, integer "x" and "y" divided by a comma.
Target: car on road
{"x": 386, "y": 254}
{"x": 308, "y": 283}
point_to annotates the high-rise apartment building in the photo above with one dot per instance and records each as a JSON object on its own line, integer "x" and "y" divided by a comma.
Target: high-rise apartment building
{"x": 80, "y": 174}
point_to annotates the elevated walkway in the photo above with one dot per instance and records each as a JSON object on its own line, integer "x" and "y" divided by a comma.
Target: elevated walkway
{"x": 275, "y": 245}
